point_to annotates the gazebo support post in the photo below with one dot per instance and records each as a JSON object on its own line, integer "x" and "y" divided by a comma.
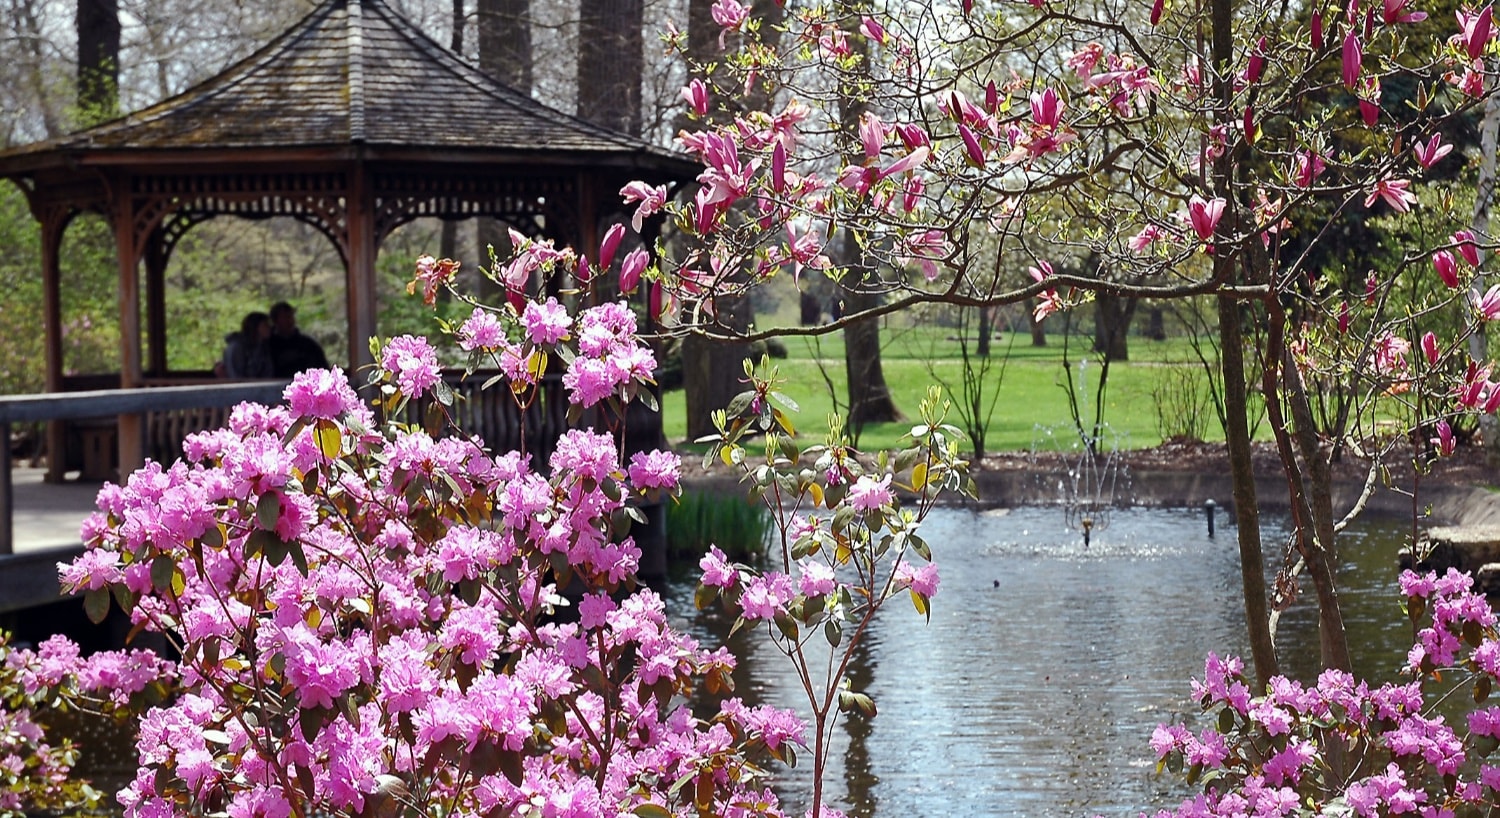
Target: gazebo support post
{"x": 361, "y": 245}
{"x": 156, "y": 302}
{"x": 131, "y": 428}
{"x": 53, "y": 222}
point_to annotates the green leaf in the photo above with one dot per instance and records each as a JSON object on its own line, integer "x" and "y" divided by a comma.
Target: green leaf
{"x": 704, "y": 596}
{"x": 299, "y": 557}
{"x": 443, "y": 393}
{"x": 161, "y": 573}
{"x": 787, "y": 625}
{"x": 268, "y": 510}
{"x": 649, "y": 400}
{"x": 96, "y": 604}
{"x": 785, "y": 402}
{"x": 652, "y": 811}
{"x": 833, "y": 632}
{"x": 330, "y": 439}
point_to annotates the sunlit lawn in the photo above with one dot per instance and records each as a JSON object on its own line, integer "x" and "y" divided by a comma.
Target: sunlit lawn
{"x": 1030, "y": 403}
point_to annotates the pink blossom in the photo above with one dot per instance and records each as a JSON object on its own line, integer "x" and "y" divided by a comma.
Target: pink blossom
{"x": 729, "y": 15}
{"x": 1047, "y": 109}
{"x": 1466, "y": 247}
{"x": 911, "y": 161}
{"x": 1085, "y": 60}
{"x": 1148, "y": 236}
{"x": 1444, "y": 441}
{"x": 320, "y": 393}
{"x": 651, "y": 199}
{"x": 1475, "y": 30}
{"x": 413, "y": 362}
{"x": 1394, "y": 192}
{"x": 816, "y": 578}
{"x": 872, "y": 133}
{"x": 923, "y": 580}
{"x": 655, "y": 469}
{"x": 631, "y": 267}
{"x": 973, "y": 152}
{"x": 1447, "y": 268}
{"x": 695, "y": 94}
{"x": 1390, "y": 354}
{"x": 1204, "y": 215}
{"x": 1488, "y": 304}
{"x": 1431, "y": 152}
{"x": 1395, "y": 11}
{"x": 1309, "y": 167}
{"x": 1429, "y": 345}
{"x": 546, "y": 322}
{"x": 481, "y": 330}
{"x": 717, "y": 572}
{"x": 868, "y": 494}
{"x": 765, "y": 595}
{"x": 1353, "y": 57}
{"x": 871, "y": 28}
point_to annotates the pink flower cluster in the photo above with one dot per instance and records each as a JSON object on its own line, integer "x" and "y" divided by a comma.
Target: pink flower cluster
{"x": 357, "y": 618}
{"x": 1409, "y": 760}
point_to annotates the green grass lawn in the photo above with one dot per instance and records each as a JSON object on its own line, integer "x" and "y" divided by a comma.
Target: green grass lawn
{"x": 1031, "y": 409}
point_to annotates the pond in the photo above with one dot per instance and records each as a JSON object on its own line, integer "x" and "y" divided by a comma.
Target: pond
{"x": 1046, "y": 664}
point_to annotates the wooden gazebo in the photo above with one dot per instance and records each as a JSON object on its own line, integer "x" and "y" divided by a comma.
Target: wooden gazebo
{"x": 353, "y": 121}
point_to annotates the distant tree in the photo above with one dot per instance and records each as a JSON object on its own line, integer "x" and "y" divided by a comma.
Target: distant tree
{"x": 98, "y": 24}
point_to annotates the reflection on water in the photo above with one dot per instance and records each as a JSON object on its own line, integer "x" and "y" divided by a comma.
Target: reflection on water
{"x": 1036, "y": 696}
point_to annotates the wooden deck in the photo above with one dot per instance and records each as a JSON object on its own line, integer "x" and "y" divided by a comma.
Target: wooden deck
{"x": 45, "y": 525}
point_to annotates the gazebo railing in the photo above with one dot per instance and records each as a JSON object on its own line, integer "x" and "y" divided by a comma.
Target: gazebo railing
{"x": 200, "y": 402}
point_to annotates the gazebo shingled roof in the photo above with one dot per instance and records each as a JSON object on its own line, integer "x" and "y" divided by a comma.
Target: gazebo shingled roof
{"x": 354, "y": 121}
{"x": 354, "y": 72}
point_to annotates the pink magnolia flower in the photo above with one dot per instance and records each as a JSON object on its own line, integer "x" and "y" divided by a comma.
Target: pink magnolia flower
{"x": 652, "y": 200}
{"x": 1085, "y": 60}
{"x": 1204, "y": 215}
{"x": 872, "y": 133}
{"x": 1309, "y": 167}
{"x": 926, "y": 249}
{"x": 913, "y": 136}
{"x": 1315, "y": 31}
{"x": 1430, "y": 348}
{"x": 631, "y": 268}
{"x": 1431, "y": 152}
{"x": 695, "y": 94}
{"x": 729, "y": 14}
{"x": 1257, "y": 64}
{"x": 909, "y": 162}
{"x": 1444, "y": 441}
{"x": 1047, "y": 109}
{"x": 1149, "y": 235}
{"x": 1466, "y": 247}
{"x": 1354, "y": 56}
{"x": 1390, "y": 354}
{"x": 1475, "y": 30}
{"x": 1447, "y": 268}
{"x": 1488, "y": 304}
{"x": 871, "y": 28}
{"x": 610, "y": 244}
{"x": 1157, "y": 7}
{"x": 973, "y": 152}
{"x": 1394, "y": 192}
{"x": 1395, "y": 11}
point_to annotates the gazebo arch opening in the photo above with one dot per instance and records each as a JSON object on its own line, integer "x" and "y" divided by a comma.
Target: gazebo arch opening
{"x": 352, "y": 121}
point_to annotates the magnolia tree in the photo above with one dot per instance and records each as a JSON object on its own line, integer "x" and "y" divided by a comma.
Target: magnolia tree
{"x": 1126, "y": 150}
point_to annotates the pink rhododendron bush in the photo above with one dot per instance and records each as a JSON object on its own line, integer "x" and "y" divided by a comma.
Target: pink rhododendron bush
{"x": 373, "y": 620}
{"x": 1270, "y": 753}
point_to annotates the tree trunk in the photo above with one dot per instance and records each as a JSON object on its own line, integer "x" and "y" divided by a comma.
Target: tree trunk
{"x": 98, "y": 24}
{"x": 1038, "y": 332}
{"x": 982, "y": 349}
{"x": 611, "y": 59}
{"x": 505, "y": 41}
{"x": 504, "y": 31}
{"x": 1484, "y": 195}
{"x": 1157, "y": 331}
{"x": 1112, "y": 317}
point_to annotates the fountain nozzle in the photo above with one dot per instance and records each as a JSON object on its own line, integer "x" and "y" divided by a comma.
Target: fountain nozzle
{"x": 1208, "y": 511}
{"x": 1088, "y": 526}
